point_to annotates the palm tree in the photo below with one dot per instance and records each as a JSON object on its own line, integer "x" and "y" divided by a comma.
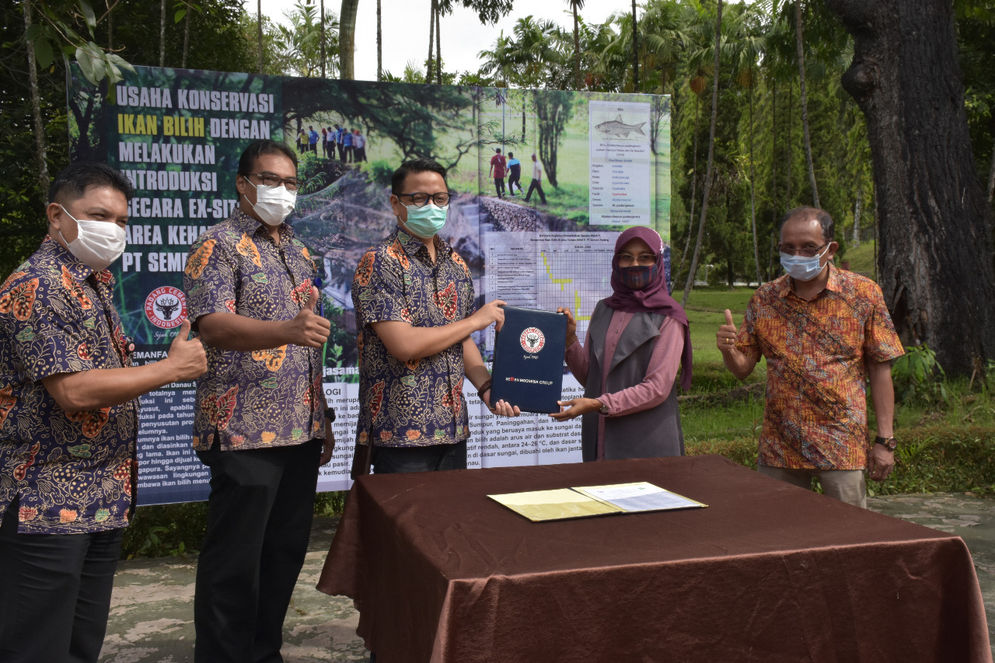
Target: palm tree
{"x": 347, "y": 38}
{"x": 575, "y": 6}
{"x": 500, "y": 61}
{"x": 711, "y": 155}
{"x": 800, "y": 46}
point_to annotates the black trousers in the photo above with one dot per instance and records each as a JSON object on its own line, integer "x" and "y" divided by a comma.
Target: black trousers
{"x": 55, "y": 593}
{"x": 391, "y": 460}
{"x": 536, "y": 185}
{"x": 258, "y": 525}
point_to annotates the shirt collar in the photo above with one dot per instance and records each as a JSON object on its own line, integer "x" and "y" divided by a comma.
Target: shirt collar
{"x": 79, "y": 270}
{"x": 253, "y": 226}
{"x": 412, "y": 245}
{"x": 833, "y": 284}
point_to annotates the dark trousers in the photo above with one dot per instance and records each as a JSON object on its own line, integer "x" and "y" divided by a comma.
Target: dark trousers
{"x": 391, "y": 460}
{"x": 536, "y": 185}
{"x": 513, "y": 181}
{"x": 499, "y": 186}
{"x": 258, "y": 524}
{"x": 55, "y": 593}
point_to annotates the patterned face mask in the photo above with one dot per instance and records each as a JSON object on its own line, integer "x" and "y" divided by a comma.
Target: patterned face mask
{"x": 637, "y": 277}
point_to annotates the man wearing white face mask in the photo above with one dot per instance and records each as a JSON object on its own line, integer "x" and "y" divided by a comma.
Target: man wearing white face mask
{"x": 262, "y": 424}
{"x": 824, "y": 332}
{"x": 69, "y": 423}
{"x": 414, "y": 303}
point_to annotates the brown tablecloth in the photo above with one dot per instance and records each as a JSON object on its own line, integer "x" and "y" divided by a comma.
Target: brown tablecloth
{"x": 768, "y": 572}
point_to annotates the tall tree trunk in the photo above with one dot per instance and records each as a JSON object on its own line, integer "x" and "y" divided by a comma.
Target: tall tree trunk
{"x": 635, "y": 50}
{"x": 347, "y": 39}
{"x": 991, "y": 178}
{"x": 753, "y": 190}
{"x": 186, "y": 36}
{"x": 803, "y": 98}
{"x": 711, "y": 156}
{"x": 41, "y": 151}
{"x": 162, "y": 33}
{"x": 775, "y": 205}
{"x": 934, "y": 226}
{"x": 431, "y": 42}
{"x": 379, "y": 42}
{"x": 858, "y": 206}
{"x": 576, "y": 57}
{"x": 789, "y": 186}
{"x": 259, "y": 31}
{"x": 438, "y": 45}
{"x": 322, "y": 20}
{"x": 694, "y": 181}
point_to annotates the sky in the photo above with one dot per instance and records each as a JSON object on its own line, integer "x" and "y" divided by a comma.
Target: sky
{"x": 405, "y": 29}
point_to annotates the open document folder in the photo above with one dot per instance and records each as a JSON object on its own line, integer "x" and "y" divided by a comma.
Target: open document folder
{"x": 584, "y": 501}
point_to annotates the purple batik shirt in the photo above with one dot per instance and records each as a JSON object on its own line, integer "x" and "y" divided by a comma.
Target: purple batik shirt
{"x": 262, "y": 398}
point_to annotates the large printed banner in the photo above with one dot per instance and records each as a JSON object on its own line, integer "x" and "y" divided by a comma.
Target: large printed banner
{"x": 178, "y": 134}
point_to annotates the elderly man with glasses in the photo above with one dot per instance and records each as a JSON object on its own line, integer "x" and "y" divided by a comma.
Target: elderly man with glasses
{"x": 261, "y": 425}
{"x": 415, "y": 311}
{"x": 825, "y": 332}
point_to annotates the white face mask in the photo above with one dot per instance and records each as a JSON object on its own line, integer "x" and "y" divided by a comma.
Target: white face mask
{"x": 802, "y": 268}
{"x": 97, "y": 243}
{"x": 273, "y": 203}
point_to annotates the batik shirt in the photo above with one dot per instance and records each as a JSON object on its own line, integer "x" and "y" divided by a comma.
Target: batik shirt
{"x": 263, "y": 398}
{"x": 419, "y": 402}
{"x": 71, "y": 472}
{"x": 816, "y": 411}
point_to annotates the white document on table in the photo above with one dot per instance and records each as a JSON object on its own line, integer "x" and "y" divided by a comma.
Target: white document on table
{"x": 639, "y": 496}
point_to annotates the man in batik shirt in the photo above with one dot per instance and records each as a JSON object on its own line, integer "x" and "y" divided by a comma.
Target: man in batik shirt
{"x": 262, "y": 424}
{"x": 69, "y": 423}
{"x": 824, "y": 332}
{"x": 415, "y": 311}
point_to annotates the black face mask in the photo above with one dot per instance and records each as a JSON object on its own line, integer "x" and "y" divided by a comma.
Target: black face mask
{"x": 636, "y": 278}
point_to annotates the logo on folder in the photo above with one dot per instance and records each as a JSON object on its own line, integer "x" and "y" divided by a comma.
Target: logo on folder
{"x": 532, "y": 340}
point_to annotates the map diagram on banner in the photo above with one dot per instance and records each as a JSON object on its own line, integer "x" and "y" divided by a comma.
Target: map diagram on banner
{"x": 569, "y": 270}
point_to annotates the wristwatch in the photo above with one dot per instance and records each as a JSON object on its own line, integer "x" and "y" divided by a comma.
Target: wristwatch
{"x": 604, "y": 408}
{"x": 330, "y": 414}
{"x": 889, "y": 443}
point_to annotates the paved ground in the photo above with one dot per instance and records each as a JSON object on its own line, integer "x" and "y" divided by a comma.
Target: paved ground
{"x": 152, "y": 609}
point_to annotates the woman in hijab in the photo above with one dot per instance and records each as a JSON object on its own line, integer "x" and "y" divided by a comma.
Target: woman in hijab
{"x": 629, "y": 404}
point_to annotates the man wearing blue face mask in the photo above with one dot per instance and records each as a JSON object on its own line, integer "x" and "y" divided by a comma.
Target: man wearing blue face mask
{"x": 825, "y": 333}
{"x": 414, "y": 303}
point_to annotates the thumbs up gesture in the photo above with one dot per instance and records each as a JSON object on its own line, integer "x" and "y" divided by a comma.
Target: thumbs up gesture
{"x": 308, "y": 328}
{"x": 187, "y": 354}
{"x": 725, "y": 337}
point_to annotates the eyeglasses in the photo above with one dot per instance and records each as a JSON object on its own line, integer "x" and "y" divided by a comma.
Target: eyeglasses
{"x": 272, "y": 179}
{"x": 420, "y": 199}
{"x": 639, "y": 259}
{"x": 806, "y": 251}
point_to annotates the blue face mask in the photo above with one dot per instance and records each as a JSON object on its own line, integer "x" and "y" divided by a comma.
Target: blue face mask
{"x": 425, "y": 221}
{"x": 803, "y": 268}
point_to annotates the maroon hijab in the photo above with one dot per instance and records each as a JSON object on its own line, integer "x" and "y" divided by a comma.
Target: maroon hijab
{"x": 653, "y": 297}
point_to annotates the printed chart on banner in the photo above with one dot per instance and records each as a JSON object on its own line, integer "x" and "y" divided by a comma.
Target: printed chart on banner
{"x": 549, "y": 270}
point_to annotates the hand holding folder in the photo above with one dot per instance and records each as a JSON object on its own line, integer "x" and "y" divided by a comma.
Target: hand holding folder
{"x": 528, "y": 359}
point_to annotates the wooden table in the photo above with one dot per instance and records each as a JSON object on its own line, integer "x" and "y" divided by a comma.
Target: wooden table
{"x": 768, "y": 572}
